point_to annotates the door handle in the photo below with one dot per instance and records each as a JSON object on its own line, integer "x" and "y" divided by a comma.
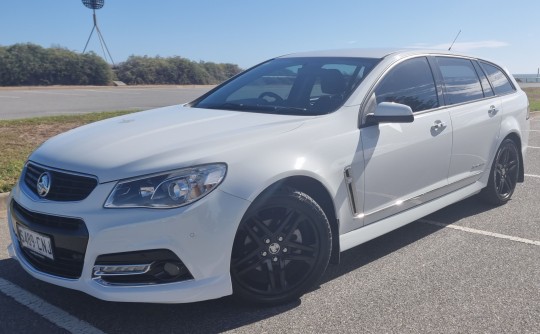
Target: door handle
{"x": 493, "y": 111}
{"x": 438, "y": 125}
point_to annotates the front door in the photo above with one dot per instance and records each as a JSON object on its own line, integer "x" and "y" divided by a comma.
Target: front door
{"x": 406, "y": 164}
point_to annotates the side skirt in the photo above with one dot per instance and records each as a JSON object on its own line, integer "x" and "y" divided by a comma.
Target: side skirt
{"x": 372, "y": 231}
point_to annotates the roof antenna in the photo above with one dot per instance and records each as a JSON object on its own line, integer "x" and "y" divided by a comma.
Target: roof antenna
{"x": 450, "y": 48}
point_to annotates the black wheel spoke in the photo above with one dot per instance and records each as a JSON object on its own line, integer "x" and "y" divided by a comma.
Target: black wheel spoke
{"x": 508, "y": 184}
{"x": 512, "y": 165}
{"x": 504, "y": 156}
{"x": 282, "y": 278}
{"x": 286, "y": 221}
{"x": 290, "y": 231}
{"x": 251, "y": 267}
{"x": 295, "y": 245}
{"x": 301, "y": 258}
{"x": 253, "y": 235}
{"x": 247, "y": 257}
{"x": 501, "y": 185}
{"x": 262, "y": 226}
{"x": 271, "y": 277}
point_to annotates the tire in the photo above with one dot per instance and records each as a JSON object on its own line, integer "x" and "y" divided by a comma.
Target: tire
{"x": 281, "y": 248}
{"x": 503, "y": 175}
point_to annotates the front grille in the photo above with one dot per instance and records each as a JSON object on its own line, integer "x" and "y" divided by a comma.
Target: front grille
{"x": 64, "y": 186}
{"x": 69, "y": 238}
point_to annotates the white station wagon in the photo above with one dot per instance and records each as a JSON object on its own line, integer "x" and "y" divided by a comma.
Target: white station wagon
{"x": 253, "y": 188}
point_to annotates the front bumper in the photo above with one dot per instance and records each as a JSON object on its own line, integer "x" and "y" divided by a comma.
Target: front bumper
{"x": 201, "y": 235}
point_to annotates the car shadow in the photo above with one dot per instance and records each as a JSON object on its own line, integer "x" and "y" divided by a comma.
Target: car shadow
{"x": 386, "y": 244}
{"x": 225, "y": 313}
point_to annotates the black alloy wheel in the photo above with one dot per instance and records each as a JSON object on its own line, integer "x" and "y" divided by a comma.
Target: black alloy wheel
{"x": 281, "y": 248}
{"x": 504, "y": 174}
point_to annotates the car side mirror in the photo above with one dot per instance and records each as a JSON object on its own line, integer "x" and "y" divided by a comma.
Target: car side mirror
{"x": 389, "y": 112}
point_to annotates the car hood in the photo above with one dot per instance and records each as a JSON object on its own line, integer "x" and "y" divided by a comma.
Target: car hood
{"x": 158, "y": 140}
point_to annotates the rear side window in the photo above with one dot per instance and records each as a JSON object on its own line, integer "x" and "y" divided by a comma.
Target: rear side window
{"x": 483, "y": 79}
{"x": 410, "y": 83}
{"x": 498, "y": 79}
{"x": 460, "y": 80}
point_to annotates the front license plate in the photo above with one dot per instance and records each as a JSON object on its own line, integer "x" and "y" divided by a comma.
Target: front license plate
{"x": 36, "y": 242}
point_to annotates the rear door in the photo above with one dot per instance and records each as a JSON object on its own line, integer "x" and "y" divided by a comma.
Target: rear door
{"x": 476, "y": 118}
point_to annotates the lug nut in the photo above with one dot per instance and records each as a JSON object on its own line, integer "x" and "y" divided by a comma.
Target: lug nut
{"x": 285, "y": 250}
{"x": 267, "y": 241}
{"x": 264, "y": 253}
{"x": 274, "y": 259}
{"x": 280, "y": 239}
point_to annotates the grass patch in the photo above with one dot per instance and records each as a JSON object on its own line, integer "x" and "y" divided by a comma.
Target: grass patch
{"x": 18, "y": 138}
{"x": 534, "y": 98}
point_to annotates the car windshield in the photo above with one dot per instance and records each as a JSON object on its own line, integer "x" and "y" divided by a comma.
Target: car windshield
{"x": 291, "y": 86}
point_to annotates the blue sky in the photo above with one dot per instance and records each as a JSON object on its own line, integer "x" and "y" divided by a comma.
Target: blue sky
{"x": 246, "y": 32}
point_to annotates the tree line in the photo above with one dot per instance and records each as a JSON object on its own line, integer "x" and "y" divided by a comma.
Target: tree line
{"x": 137, "y": 70}
{"x": 33, "y": 65}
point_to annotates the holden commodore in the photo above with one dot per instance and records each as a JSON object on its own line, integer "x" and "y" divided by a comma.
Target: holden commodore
{"x": 253, "y": 188}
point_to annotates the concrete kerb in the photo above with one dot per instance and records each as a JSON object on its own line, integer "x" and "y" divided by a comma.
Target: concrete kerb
{"x": 3, "y": 201}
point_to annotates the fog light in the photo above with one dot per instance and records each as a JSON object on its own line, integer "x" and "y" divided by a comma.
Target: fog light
{"x": 171, "y": 268}
{"x": 112, "y": 270}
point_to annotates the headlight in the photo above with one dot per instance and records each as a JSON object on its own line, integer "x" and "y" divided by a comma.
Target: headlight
{"x": 167, "y": 190}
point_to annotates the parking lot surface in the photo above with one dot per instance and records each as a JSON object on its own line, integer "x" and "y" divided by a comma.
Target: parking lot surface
{"x": 468, "y": 268}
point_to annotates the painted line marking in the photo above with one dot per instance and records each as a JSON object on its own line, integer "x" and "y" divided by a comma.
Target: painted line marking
{"x": 533, "y": 130}
{"x": 52, "y": 93}
{"x": 532, "y": 175}
{"x": 481, "y": 232}
{"x": 50, "y": 312}
{"x": 533, "y": 147}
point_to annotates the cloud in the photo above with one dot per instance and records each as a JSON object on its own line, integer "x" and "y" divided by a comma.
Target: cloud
{"x": 462, "y": 46}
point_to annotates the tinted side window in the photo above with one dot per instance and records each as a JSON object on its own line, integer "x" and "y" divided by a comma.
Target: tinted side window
{"x": 483, "y": 79}
{"x": 460, "y": 80}
{"x": 498, "y": 79}
{"x": 410, "y": 83}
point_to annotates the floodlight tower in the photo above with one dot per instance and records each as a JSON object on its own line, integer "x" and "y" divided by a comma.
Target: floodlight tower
{"x": 93, "y": 5}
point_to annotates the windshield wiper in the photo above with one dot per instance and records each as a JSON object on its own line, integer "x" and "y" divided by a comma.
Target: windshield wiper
{"x": 255, "y": 108}
{"x": 229, "y": 106}
{"x": 297, "y": 109}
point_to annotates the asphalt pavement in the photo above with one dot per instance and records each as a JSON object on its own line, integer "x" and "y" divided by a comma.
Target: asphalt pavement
{"x": 16, "y": 103}
{"x": 468, "y": 268}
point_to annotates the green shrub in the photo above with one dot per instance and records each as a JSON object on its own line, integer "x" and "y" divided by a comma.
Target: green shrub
{"x": 173, "y": 70}
{"x": 33, "y": 65}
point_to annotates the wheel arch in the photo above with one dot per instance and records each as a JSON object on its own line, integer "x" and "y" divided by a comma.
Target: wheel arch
{"x": 320, "y": 194}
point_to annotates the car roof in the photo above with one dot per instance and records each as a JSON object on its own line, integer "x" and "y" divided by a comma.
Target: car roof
{"x": 369, "y": 53}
